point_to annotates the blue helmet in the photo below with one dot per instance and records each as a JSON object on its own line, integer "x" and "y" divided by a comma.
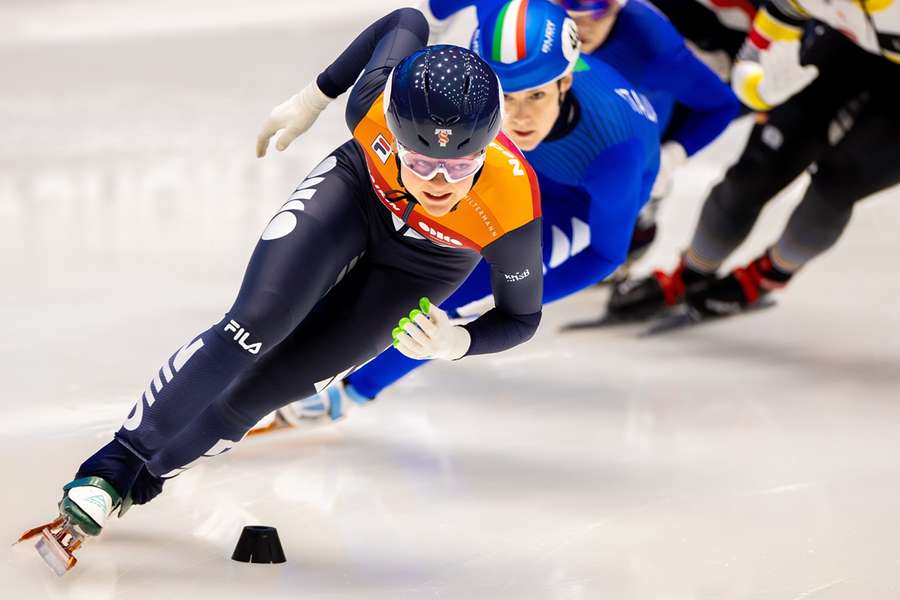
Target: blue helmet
{"x": 444, "y": 102}
{"x": 528, "y": 43}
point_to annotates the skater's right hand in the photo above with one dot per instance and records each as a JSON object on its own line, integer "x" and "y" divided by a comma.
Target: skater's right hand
{"x": 295, "y": 115}
{"x": 428, "y": 333}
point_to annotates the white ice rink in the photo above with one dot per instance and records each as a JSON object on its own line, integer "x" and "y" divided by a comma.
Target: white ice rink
{"x": 750, "y": 459}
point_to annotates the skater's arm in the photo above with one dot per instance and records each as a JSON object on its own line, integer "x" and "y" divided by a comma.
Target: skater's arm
{"x": 444, "y": 9}
{"x": 375, "y": 52}
{"x": 617, "y": 188}
{"x": 710, "y": 102}
{"x": 768, "y": 69}
{"x": 443, "y": 14}
{"x": 517, "y": 282}
{"x": 703, "y": 25}
{"x": 616, "y": 184}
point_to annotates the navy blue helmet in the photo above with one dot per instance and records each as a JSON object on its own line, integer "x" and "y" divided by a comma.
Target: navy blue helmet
{"x": 444, "y": 102}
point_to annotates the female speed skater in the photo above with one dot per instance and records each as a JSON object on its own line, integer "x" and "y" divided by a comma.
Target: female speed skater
{"x": 594, "y": 143}
{"x": 842, "y": 126}
{"x": 427, "y": 187}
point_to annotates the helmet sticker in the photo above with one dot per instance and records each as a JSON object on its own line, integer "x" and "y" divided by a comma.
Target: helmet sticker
{"x": 570, "y": 42}
{"x": 443, "y": 136}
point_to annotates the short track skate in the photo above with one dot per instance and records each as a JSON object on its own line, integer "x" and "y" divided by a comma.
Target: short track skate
{"x": 83, "y": 509}
{"x": 275, "y": 422}
{"x": 57, "y": 543}
{"x": 689, "y": 317}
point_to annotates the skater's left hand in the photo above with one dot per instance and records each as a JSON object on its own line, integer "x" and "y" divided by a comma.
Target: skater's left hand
{"x": 671, "y": 156}
{"x": 428, "y": 333}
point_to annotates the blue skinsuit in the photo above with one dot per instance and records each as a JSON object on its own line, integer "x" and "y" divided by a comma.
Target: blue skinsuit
{"x": 650, "y": 53}
{"x": 594, "y": 180}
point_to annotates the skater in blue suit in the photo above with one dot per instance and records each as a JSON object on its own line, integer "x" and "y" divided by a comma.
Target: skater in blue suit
{"x": 692, "y": 104}
{"x": 593, "y": 141}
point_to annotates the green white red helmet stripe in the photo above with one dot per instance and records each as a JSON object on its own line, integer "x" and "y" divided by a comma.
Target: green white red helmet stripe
{"x": 509, "y": 33}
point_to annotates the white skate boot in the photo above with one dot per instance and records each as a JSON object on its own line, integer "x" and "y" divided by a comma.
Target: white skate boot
{"x": 331, "y": 404}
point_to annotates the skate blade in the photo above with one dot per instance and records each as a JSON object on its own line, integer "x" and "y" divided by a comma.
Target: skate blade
{"x": 56, "y": 523}
{"x": 58, "y": 557}
{"x": 277, "y": 424}
{"x": 689, "y": 317}
{"x": 609, "y": 321}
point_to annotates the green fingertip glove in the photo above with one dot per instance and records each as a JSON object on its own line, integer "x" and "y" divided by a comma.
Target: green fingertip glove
{"x": 415, "y": 313}
{"x": 425, "y": 305}
{"x": 396, "y": 333}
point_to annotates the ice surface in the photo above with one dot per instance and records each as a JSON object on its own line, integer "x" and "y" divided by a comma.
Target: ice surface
{"x": 749, "y": 459}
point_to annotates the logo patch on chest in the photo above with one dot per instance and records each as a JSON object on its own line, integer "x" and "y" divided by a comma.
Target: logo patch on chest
{"x": 382, "y": 148}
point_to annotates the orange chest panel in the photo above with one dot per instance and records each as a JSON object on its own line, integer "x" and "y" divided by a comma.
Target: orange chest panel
{"x": 505, "y": 197}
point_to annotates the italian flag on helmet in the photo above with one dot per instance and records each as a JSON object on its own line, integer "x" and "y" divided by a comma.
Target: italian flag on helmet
{"x": 528, "y": 43}
{"x": 509, "y": 33}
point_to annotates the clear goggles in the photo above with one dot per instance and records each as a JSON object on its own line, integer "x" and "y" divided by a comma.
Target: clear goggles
{"x": 427, "y": 168}
{"x": 596, "y": 10}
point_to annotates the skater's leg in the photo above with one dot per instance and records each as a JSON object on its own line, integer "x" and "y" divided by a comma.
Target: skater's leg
{"x": 776, "y": 153}
{"x": 295, "y": 263}
{"x": 863, "y": 162}
{"x": 350, "y": 325}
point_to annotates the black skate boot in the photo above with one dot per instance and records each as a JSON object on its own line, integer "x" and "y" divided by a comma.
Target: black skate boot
{"x": 643, "y": 298}
{"x": 738, "y": 290}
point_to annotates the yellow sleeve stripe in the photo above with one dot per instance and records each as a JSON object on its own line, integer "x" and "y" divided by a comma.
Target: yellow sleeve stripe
{"x": 891, "y": 56}
{"x": 775, "y": 30}
{"x": 749, "y": 92}
{"x": 800, "y": 10}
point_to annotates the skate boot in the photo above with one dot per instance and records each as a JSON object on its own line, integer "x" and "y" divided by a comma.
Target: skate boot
{"x": 331, "y": 404}
{"x": 643, "y": 298}
{"x": 641, "y": 239}
{"x": 83, "y": 510}
{"x": 738, "y": 290}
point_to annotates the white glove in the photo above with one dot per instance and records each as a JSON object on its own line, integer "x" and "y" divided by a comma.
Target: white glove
{"x": 295, "y": 115}
{"x": 428, "y": 333}
{"x": 777, "y": 76}
{"x": 671, "y": 156}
